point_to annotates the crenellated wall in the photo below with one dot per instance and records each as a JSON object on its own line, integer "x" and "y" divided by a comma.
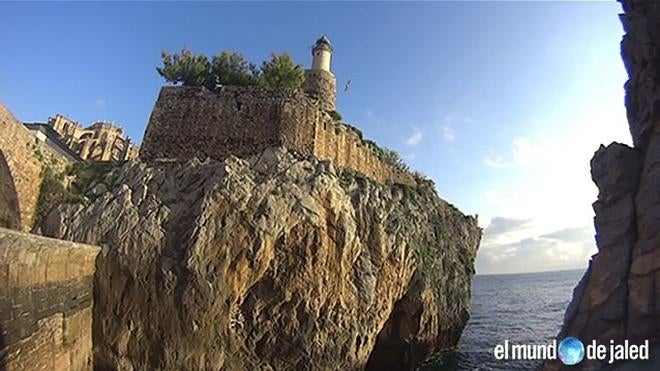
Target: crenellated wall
{"x": 345, "y": 148}
{"x": 191, "y": 122}
{"x": 45, "y": 303}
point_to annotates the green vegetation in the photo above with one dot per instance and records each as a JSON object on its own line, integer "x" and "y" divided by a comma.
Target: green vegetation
{"x": 230, "y": 68}
{"x": 423, "y": 180}
{"x": 277, "y": 191}
{"x": 52, "y": 192}
{"x": 427, "y": 261}
{"x": 393, "y": 158}
{"x": 88, "y": 174}
{"x": 354, "y": 129}
{"x": 348, "y": 176}
{"x": 281, "y": 72}
{"x": 187, "y": 68}
{"x": 335, "y": 115}
{"x": 80, "y": 177}
{"x": 38, "y": 154}
{"x": 467, "y": 261}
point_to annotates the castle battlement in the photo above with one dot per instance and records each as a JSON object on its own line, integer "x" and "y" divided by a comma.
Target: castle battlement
{"x": 189, "y": 122}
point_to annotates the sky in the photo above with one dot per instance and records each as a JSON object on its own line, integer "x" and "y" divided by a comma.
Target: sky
{"x": 502, "y": 104}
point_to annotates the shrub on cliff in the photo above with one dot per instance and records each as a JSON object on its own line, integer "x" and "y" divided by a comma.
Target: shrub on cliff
{"x": 335, "y": 115}
{"x": 231, "y": 68}
{"x": 393, "y": 158}
{"x": 52, "y": 192}
{"x": 282, "y": 72}
{"x": 186, "y": 68}
{"x": 422, "y": 180}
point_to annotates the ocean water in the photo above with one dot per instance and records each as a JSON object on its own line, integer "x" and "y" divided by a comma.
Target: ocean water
{"x": 522, "y": 308}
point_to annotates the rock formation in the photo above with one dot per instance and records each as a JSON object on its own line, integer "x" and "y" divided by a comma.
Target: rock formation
{"x": 272, "y": 262}
{"x": 619, "y": 296}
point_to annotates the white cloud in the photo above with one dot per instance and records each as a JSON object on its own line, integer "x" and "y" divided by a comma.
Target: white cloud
{"x": 100, "y": 103}
{"x": 448, "y": 118}
{"x": 448, "y": 133}
{"x": 500, "y": 225}
{"x": 548, "y": 181}
{"x": 468, "y": 119}
{"x": 570, "y": 234}
{"x": 369, "y": 114}
{"x": 496, "y": 162}
{"x": 568, "y": 248}
{"x": 414, "y": 139}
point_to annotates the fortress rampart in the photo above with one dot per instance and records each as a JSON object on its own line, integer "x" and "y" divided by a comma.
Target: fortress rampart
{"x": 191, "y": 122}
{"x": 323, "y": 86}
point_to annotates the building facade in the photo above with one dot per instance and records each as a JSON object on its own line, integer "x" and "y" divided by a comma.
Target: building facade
{"x": 101, "y": 141}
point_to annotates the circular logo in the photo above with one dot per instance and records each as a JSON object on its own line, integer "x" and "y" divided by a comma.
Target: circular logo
{"x": 571, "y": 351}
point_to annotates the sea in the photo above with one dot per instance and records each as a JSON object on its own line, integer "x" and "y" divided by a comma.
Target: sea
{"x": 522, "y": 308}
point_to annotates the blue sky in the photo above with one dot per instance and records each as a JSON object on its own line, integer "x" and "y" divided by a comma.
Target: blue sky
{"x": 501, "y": 103}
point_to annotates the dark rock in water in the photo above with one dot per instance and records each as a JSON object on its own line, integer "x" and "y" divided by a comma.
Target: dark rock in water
{"x": 271, "y": 263}
{"x": 619, "y": 297}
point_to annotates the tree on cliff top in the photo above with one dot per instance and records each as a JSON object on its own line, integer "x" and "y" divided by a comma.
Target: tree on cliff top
{"x": 186, "y": 68}
{"x": 231, "y": 68}
{"x": 282, "y": 72}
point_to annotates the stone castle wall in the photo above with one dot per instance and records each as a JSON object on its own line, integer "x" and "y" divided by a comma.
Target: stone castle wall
{"x": 194, "y": 122}
{"x": 22, "y": 157}
{"x": 345, "y": 148}
{"x": 323, "y": 85}
{"x": 45, "y": 303}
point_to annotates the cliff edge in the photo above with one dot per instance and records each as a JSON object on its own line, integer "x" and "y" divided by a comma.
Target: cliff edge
{"x": 619, "y": 296}
{"x": 272, "y": 262}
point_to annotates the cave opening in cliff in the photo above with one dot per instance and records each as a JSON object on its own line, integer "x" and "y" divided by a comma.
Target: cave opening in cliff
{"x": 396, "y": 347}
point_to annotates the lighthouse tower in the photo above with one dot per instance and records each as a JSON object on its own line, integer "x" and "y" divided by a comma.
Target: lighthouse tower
{"x": 319, "y": 81}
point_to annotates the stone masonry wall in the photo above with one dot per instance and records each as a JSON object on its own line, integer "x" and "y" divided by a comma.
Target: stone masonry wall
{"x": 323, "y": 85}
{"x": 45, "y": 303}
{"x": 22, "y": 158}
{"x": 192, "y": 122}
{"x": 345, "y": 148}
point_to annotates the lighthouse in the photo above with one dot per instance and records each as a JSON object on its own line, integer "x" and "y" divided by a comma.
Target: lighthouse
{"x": 320, "y": 82}
{"x": 321, "y": 54}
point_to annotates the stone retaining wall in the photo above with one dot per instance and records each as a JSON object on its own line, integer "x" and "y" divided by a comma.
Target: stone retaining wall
{"x": 46, "y": 295}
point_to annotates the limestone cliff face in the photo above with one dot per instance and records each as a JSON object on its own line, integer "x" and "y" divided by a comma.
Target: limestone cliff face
{"x": 619, "y": 296}
{"x": 270, "y": 263}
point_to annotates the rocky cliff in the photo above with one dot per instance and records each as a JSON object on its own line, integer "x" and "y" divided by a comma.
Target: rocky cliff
{"x": 273, "y": 262}
{"x": 619, "y": 296}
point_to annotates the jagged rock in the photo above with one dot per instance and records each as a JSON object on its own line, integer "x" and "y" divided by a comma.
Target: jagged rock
{"x": 619, "y": 296}
{"x": 271, "y": 263}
